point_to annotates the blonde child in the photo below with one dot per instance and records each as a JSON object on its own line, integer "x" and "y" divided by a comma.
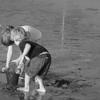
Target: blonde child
{"x": 36, "y": 59}
{"x": 8, "y": 39}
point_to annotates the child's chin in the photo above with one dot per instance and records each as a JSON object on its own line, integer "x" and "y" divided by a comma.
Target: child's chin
{"x": 17, "y": 43}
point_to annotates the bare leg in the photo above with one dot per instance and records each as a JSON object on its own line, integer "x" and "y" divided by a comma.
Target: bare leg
{"x": 26, "y": 85}
{"x": 39, "y": 81}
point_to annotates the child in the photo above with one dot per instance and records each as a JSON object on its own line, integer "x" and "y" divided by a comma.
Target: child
{"x": 7, "y": 39}
{"x": 37, "y": 60}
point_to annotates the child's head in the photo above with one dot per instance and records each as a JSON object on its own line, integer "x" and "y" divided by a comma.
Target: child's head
{"x": 6, "y": 36}
{"x": 18, "y": 33}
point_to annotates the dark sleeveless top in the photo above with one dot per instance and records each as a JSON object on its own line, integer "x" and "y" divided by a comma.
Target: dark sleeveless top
{"x": 35, "y": 49}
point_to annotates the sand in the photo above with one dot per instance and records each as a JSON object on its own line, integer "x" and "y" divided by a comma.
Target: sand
{"x": 75, "y": 70}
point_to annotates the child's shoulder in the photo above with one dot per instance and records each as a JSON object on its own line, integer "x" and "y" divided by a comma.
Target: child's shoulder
{"x": 28, "y": 41}
{"x": 32, "y": 43}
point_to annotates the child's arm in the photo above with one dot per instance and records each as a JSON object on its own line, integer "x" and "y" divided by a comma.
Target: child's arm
{"x": 9, "y": 55}
{"x": 18, "y": 59}
{"x": 26, "y": 50}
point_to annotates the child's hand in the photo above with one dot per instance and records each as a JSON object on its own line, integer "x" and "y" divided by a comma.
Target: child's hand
{"x": 20, "y": 68}
{"x": 16, "y": 61}
{"x": 4, "y": 69}
{"x": 18, "y": 71}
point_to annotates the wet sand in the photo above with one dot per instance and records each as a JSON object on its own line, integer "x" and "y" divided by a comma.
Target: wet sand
{"x": 72, "y": 83}
{"x": 75, "y": 71}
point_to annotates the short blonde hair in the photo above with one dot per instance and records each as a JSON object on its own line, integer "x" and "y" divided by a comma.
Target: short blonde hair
{"x": 18, "y": 32}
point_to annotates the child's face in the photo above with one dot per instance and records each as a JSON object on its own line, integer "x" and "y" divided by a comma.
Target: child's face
{"x": 17, "y": 39}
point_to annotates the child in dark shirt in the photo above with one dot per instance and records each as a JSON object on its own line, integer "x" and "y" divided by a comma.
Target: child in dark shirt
{"x": 7, "y": 39}
{"x": 37, "y": 61}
